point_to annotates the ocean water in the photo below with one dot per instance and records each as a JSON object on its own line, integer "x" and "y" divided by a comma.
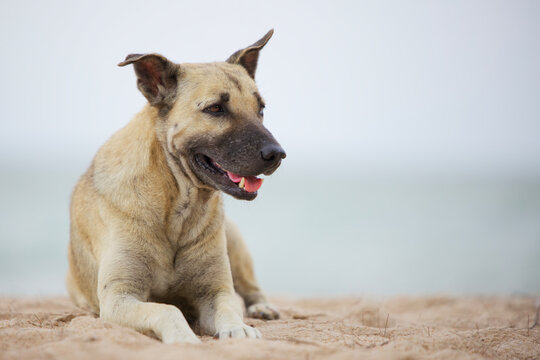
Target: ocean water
{"x": 318, "y": 235}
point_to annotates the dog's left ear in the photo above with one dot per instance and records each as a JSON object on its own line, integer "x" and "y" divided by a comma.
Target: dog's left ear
{"x": 156, "y": 77}
{"x": 249, "y": 56}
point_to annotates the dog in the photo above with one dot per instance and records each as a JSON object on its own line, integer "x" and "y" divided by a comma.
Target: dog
{"x": 150, "y": 247}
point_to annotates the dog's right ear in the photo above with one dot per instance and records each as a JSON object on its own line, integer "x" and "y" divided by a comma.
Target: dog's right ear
{"x": 157, "y": 77}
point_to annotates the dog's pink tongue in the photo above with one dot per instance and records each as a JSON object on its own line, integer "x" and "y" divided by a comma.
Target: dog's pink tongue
{"x": 234, "y": 177}
{"x": 251, "y": 183}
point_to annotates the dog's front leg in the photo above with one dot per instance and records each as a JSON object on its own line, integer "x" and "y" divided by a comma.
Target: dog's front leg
{"x": 222, "y": 317}
{"x": 220, "y": 309}
{"x": 124, "y": 282}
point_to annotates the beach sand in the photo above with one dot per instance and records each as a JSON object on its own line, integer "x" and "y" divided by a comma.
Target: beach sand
{"x": 433, "y": 327}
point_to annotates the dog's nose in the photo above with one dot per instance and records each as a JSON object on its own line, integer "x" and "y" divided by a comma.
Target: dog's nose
{"x": 272, "y": 153}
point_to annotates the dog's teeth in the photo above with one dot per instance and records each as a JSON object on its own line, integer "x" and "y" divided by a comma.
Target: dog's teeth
{"x": 242, "y": 183}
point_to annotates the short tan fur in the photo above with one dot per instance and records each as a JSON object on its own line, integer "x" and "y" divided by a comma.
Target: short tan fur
{"x": 150, "y": 247}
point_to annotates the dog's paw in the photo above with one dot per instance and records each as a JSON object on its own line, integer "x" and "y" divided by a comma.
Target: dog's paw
{"x": 171, "y": 327}
{"x": 263, "y": 311}
{"x": 177, "y": 337}
{"x": 239, "y": 332}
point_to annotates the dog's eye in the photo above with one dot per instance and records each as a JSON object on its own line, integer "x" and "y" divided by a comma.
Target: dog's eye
{"x": 215, "y": 109}
{"x": 261, "y": 112}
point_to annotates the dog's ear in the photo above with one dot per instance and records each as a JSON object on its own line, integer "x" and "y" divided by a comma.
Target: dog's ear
{"x": 249, "y": 56}
{"x": 156, "y": 77}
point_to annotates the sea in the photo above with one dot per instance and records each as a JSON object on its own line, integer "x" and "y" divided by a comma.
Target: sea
{"x": 322, "y": 233}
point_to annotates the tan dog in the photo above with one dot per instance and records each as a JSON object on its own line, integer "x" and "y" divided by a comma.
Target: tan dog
{"x": 150, "y": 248}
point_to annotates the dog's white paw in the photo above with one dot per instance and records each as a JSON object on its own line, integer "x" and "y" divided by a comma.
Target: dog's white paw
{"x": 177, "y": 337}
{"x": 264, "y": 311}
{"x": 173, "y": 328}
{"x": 171, "y": 337}
{"x": 239, "y": 332}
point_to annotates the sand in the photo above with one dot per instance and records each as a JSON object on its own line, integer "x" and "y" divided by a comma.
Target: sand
{"x": 334, "y": 328}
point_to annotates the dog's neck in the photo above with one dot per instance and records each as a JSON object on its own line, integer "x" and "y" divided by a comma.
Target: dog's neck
{"x": 187, "y": 190}
{"x": 186, "y": 181}
{"x": 171, "y": 200}
{"x": 189, "y": 200}
{"x": 195, "y": 210}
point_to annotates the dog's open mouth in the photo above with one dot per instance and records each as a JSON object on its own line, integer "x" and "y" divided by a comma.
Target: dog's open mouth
{"x": 237, "y": 185}
{"x": 248, "y": 183}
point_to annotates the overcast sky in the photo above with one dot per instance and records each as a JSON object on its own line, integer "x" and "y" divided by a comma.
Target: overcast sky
{"x": 436, "y": 85}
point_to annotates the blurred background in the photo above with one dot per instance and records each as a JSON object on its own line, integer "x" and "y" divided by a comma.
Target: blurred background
{"x": 412, "y": 131}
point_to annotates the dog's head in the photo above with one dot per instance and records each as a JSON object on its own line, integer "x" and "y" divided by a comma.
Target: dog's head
{"x": 211, "y": 117}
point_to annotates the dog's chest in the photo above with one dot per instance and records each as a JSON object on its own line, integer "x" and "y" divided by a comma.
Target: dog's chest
{"x": 190, "y": 225}
{"x": 191, "y": 214}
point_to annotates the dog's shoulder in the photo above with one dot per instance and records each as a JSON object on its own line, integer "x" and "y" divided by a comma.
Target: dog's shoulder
{"x": 130, "y": 170}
